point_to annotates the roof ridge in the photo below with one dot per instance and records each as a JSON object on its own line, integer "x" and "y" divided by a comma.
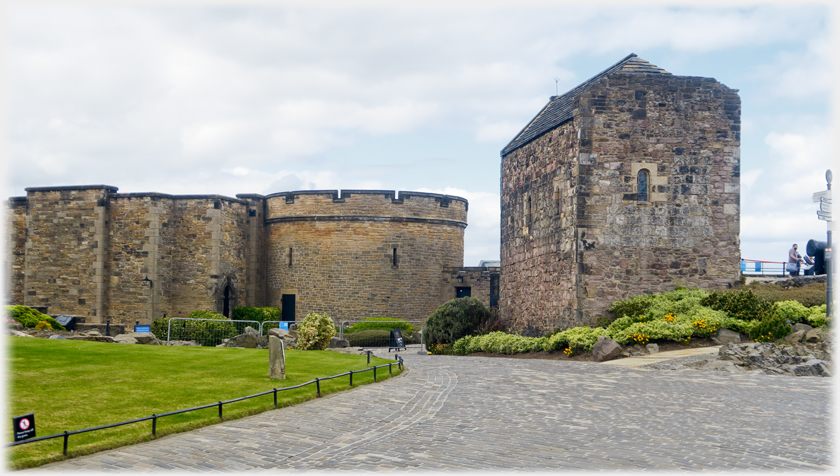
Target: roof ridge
{"x": 558, "y": 109}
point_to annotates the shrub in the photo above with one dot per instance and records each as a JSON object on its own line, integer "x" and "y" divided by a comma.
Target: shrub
{"x": 315, "y": 332}
{"x": 632, "y": 307}
{"x": 202, "y": 332}
{"x": 43, "y": 325}
{"x": 791, "y": 310}
{"x": 368, "y": 338}
{"x": 810, "y": 295}
{"x": 499, "y": 343}
{"x": 770, "y": 328}
{"x": 406, "y": 328}
{"x": 816, "y": 316}
{"x": 743, "y": 305}
{"x": 455, "y": 319}
{"x": 577, "y": 338}
{"x": 259, "y": 314}
{"x": 29, "y": 317}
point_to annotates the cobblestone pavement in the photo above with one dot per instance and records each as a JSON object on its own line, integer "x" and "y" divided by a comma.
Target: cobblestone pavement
{"x": 478, "y": 413}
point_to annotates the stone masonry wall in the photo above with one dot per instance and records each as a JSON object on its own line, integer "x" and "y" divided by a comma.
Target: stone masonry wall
{"x": 15, "y": 249}
{"x": 477, "y": 279}
{"x": 538, "y": 288}
{"x": 587, "y": 240}
{"x": 65, "y": 243}
{"x": 685, "y": 131}
{"x": 342, "y": 252}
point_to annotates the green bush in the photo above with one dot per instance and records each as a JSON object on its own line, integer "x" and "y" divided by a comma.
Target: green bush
{"x": 578, "y": 338}
{"x": 368, "y": 338}
{"x": 792, "y": 311}
{"x": 30, "y": 318}
{"x": 315, "y": 332}
{"x": 498, "y": 342}
{"x": 816, "y": 316}
{"x": 259, "y": 314}
{"x": 632, "y": 307}
{"x": 770, "y": 328}
{"x": 406, "y": 328}
{"x": 455, "y": 319}
{"x": 43, "y": 325}
{"x": 810, "y": 295}
{"x": 202, "y": 332}
{"x": 744, "y": 305}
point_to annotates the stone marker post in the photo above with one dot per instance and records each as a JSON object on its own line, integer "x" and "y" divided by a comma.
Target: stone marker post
{"x": 276, "y": 358}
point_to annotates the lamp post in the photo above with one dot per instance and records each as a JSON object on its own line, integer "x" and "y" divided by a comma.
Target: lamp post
{"x": 829, "y": 294}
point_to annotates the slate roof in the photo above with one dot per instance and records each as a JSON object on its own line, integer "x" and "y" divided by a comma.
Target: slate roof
{"x": 559, "y": 108}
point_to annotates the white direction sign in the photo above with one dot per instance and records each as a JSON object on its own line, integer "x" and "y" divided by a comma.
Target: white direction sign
{"x": 825, "y": 205}
{"x": 820, "y": 195}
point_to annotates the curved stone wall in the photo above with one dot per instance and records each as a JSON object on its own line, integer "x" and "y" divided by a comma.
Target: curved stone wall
{"x": 362, "y": 253}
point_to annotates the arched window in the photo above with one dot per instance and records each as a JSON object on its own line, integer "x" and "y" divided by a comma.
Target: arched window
{"x": 642, "y": 180}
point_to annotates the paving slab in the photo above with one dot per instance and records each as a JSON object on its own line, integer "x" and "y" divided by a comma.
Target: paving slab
{"x": 453, "y": 413}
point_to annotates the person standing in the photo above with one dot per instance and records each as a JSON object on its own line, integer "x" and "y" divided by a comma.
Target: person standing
{"x": 793, "y": 261}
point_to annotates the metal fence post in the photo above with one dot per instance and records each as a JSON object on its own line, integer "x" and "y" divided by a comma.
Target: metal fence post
{"x": 220, "y": 410}
{"x": 154, "y": 424}
{"x": 374, "y": 373}
{"x": 275, "y": 398}
{"x": 65, "y": 442}
{"x": 351, "y": 378}
{"x": 389, "y": 369}
{"x": 368, "y": 356}
{"x": 318, "y": 386}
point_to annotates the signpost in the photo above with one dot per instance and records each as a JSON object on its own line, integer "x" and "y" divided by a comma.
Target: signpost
{"x": 24, "y": 427}
{"x": 824, "y": 213}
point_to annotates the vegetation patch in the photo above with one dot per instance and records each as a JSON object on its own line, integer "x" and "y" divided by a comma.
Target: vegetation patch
{"x": 32, "y": 318}
{"x": 71, "y": 385}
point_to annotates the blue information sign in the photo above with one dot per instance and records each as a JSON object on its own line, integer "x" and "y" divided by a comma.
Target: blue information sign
{"x": 142, "y": 328}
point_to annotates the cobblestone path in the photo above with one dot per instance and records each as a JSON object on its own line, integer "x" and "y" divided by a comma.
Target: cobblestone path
{"x": 473, "y": 413}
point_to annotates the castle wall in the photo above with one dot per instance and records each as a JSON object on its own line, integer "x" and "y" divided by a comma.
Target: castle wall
{"x": 342, "y": 251}
{"x": 483, "y": 284}
{"x": 255, "y": 251}
{"x": 15, "y": 249}
{"x": 65, "y": 249}
{"x": 687, "y": 233}
{"x": 566, "y": 269}
{"x": 539, "y": 278}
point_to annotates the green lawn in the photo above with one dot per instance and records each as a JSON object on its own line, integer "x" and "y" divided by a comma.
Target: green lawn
{"x": 71, "y": 385}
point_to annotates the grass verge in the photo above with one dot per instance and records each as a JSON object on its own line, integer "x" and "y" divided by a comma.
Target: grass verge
{"x": 71, "y": 385}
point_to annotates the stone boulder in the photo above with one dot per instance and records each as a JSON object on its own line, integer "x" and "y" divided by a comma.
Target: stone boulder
{"x": 801, "y": 327}
{"x": 183, "y": 343}
{"x": 811, "y": 368}
{"x": 795, "y": 337}
{"x": 289, "y": 337}
{"x": 94, "y": 338}
{"x": 15, "y": 333}
{"x": 814, "y": 335}
{"x": 726, "y": 336}
{"x": 249, "y": 339}
{"x": 635, "y": 350}
{"x": 125, "y": 339}
{"x": 652, "y": 348}
{"x": 605, "y": 349}
{"x": 337, "y": 343}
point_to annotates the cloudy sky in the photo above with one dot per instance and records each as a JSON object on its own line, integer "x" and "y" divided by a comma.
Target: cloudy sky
{"x": 208, "y": 98}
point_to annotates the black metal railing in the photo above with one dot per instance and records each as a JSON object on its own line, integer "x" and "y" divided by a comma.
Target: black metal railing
{"x": 154, "y": 417}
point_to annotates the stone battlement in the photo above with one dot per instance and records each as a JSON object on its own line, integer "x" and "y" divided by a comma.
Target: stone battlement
{"x": 363, "y": 204}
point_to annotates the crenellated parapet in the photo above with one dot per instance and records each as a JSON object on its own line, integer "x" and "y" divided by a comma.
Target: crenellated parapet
{"x": 355, "y": 205}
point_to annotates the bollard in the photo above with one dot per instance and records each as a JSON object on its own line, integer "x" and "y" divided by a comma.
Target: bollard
{"x": 154, "y": 424}
{"x": 368, "y": 354}
{"x": 107, "y": 327}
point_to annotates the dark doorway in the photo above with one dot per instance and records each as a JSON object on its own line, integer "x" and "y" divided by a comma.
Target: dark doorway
{"x": 287, "y": 304}
{"x": 226, "y": 305}
{"x": 464, "y": 291}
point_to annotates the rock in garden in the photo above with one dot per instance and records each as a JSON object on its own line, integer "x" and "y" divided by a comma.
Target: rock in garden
{"x": 726, "y": 336}
{"x": 276, "y": 331}
{"x": 795, "y": 337}
{"x": 605, "y": 349}
{"x": 801, "y": 327}
{"x": 249, "y": 339}
{"x": 146, "y": 338}
{"x": 815, "y": 368}
{"x": 276, "y": 358}
{"x": 93, "y": 332}
{"x": 55, "y": 336}
{"x": 813, "y": 335}
{"x": 652, "y": 348}
{"x": 335, "y": 342}
{"x": 13, "y": 332}
{"x": 184, "y": 343}
{"x": 125, "y": 339}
